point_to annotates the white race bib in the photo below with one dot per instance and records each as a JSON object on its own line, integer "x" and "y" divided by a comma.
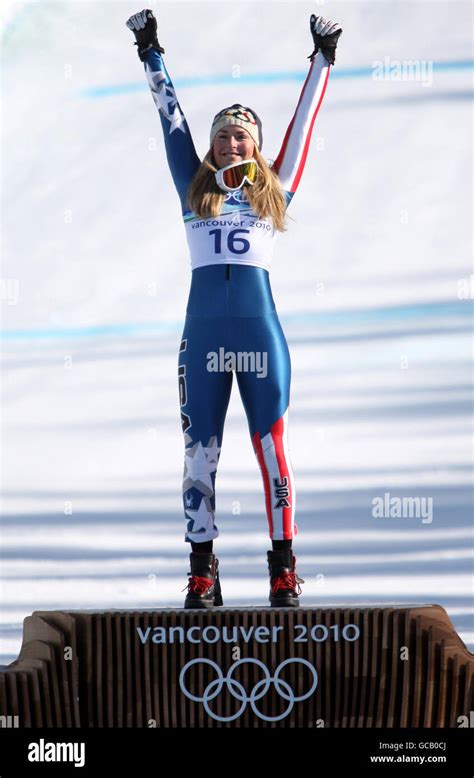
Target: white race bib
{"x": 237, "y": 235}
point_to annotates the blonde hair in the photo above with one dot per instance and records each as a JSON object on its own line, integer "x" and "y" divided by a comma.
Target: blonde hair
{"x": 265, "y": 196}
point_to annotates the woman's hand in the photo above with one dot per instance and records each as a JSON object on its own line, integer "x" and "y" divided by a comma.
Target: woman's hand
{"x": 144, "y": 27}
{"x": 325, "y": 36}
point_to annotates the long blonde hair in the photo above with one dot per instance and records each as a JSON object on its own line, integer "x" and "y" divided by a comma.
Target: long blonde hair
{"x": 265, "y": 196}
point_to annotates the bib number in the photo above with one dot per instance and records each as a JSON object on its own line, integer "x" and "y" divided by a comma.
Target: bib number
{"x": 235, "y": 244}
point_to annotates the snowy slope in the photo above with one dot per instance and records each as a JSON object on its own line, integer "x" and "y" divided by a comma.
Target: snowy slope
{"x": 370, "y": 281}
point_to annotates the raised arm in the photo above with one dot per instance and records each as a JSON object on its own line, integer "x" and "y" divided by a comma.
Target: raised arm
{"x": 292, "y": 156}
{"x": 182, "y": 157}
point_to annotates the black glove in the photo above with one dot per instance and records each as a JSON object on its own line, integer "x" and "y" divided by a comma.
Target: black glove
{"x": 325, "y": 36}
{"x": 143, "y": 26}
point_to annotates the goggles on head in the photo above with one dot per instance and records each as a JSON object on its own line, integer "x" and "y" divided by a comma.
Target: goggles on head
{"x": 234, "y": 176}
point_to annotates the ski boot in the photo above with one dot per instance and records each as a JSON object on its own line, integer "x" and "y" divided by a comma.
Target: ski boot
{"x": 204, "y": 587}
{"x": 284, "y": 582}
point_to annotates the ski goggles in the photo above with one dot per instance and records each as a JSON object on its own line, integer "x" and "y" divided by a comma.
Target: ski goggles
{"x": 234, "y": 176}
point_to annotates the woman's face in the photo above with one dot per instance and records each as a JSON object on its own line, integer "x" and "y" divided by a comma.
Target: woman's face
{"x": 232, "y": 144}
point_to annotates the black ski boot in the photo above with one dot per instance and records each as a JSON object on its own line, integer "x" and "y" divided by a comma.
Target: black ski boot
{"x": 204, "y": 587}
{"x": 284, "y": 582}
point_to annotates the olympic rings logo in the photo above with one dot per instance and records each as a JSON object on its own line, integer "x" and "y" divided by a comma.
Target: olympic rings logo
{"x": 238, "y": 692}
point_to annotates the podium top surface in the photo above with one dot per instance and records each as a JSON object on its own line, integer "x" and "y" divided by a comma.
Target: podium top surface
{"x": 247, "y": 607}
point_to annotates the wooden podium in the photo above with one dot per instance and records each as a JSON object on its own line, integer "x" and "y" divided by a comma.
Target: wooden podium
{"x": 360, "y": 667}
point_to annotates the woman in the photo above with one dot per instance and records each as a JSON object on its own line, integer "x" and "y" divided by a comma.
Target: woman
{"x": 233, "y": 206}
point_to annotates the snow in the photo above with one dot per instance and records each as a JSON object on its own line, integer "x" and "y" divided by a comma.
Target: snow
{"x": 373, "y": 282}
